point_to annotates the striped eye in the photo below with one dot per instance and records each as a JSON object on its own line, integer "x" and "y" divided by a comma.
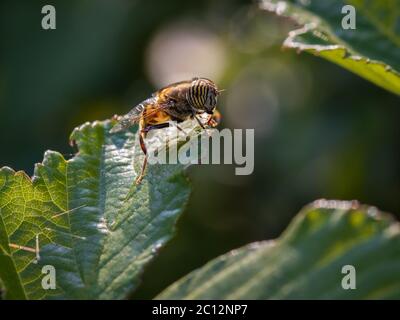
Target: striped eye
{"x": 203, "y": 95}
{"x": 211, "y": 102}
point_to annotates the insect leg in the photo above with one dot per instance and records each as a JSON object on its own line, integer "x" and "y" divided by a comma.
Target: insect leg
{"x": 214, "y": 119}
{"x": 142, "y": 136}
{"x": 174, "y": 124}
{"x": 35, "y": 250}
{"x": 17, "y": 246}
{"x": 156, "y": 126}
{"x": 199, "y": 122}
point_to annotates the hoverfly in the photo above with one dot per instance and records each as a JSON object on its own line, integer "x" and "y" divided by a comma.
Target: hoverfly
{"x": 176, "y": 102}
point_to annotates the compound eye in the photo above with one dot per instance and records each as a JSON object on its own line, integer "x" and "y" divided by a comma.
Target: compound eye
{"x": 209, "y": 103}
{"x": 213, "y": 101}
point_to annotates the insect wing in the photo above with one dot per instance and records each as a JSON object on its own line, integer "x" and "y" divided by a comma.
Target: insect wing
{"x": 128, "y": 119}
{"x": 136, "y": 114}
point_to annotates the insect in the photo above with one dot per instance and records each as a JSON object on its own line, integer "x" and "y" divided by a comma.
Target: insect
{"x": 176, "y": 102}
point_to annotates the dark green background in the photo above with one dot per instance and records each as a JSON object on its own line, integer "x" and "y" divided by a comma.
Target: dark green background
{"x": 329, "y": 133}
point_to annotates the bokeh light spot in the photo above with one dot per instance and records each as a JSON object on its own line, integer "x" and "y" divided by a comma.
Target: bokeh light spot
{"x": 182, "y": 51}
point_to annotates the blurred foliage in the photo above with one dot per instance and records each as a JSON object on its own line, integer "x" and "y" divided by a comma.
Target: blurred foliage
{"x": 371, "y": 49}
{"x": 320, "y": 130}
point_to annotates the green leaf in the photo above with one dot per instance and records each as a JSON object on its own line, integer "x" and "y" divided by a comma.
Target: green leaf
{"x": 94, "y": 225}
{"x": 372, "y": 50}
{"x": 306, "y": 261}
